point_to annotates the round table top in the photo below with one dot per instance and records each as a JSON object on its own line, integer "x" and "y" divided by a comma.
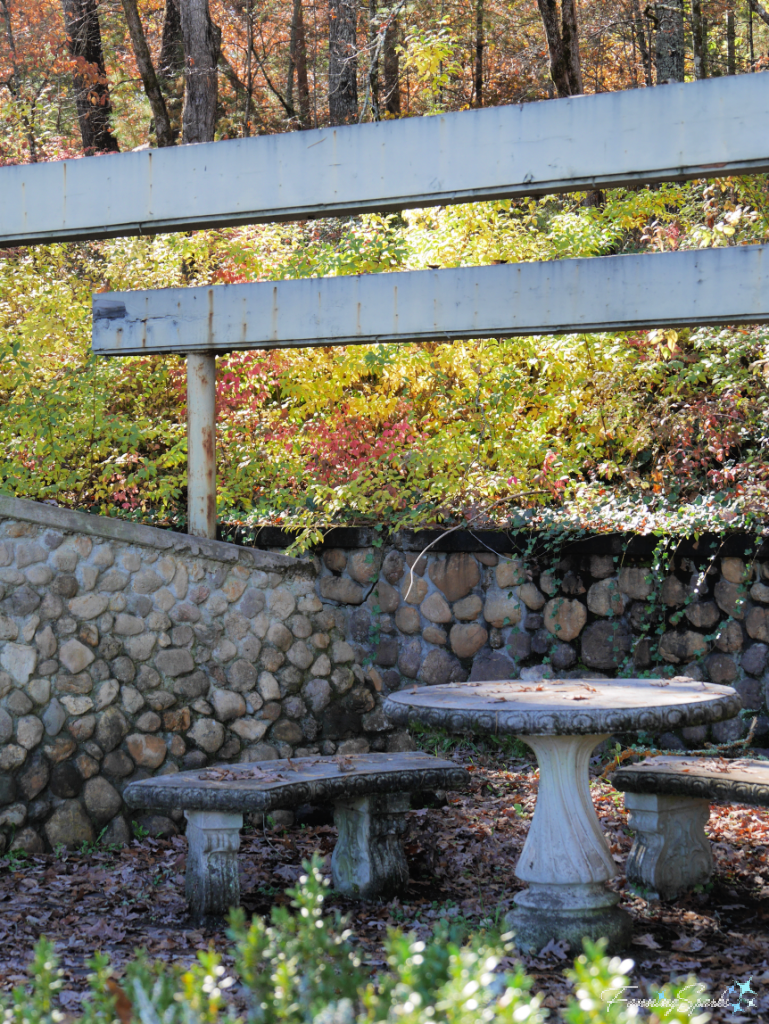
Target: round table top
{"x": 550, "y": 707}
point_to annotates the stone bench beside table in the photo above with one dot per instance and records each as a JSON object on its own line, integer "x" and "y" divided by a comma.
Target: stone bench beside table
{"x": 668, "y": 801}
{"x": 370, "y": 794}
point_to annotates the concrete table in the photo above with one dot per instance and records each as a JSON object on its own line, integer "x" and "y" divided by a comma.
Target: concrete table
{"x": 565, "y": 859}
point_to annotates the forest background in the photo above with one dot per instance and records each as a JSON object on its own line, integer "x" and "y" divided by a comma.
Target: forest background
{"x": 659, "y": 430}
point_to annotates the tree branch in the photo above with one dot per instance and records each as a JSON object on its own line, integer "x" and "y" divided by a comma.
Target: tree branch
{"x": 163, "y": 130}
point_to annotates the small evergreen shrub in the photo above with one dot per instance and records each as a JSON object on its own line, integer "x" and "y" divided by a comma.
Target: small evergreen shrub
{"x": 302, "y": 968}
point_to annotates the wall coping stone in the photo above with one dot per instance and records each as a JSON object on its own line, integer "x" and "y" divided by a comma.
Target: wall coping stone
{"x": 65, "y": 519}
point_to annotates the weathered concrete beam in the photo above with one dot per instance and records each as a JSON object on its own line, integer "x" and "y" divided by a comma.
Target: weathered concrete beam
{"x": 714, "y": 127}
{"x": 704, "y": 286}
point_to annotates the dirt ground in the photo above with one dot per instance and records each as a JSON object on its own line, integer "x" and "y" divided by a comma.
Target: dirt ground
{"x": 462, "y": 857}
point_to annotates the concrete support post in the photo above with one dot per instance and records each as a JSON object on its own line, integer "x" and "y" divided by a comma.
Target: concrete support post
{"x": 671, "y": 852}
{"x": 212, "y": 880}
{"x": 368, "y": 860}
{"x": 565, "y": 860}
{"x": 201, "y": 444}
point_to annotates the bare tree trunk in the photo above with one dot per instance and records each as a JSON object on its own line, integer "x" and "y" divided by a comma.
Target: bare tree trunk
{"x": 374, "y": 56}
{"x": 299, "y": 63}
{"x": 731, "y": 61}
{"x": 171, "y": 61}
{"x": 12, "y": 83}
{"x": 94, "y": 110}
{"x": 751, "y": 48}
{"x": 343, "y": 62}
{"x": 563, "y": 44}
{"x": 643, "y": 46}
{"x": 163, "y": 131}
{"x": 480, "y": 43}
{"x": 201, "y": 55}
{"x": 697, "y": 39}
{"x": 670, "y": 41}
{"x": 392, "y": 78}
{"x": 758, "y": 8}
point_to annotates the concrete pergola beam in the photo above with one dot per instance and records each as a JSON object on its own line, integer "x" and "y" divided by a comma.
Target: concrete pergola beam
{"x": 703, "y": 286}
{"x": 673, "y": 132}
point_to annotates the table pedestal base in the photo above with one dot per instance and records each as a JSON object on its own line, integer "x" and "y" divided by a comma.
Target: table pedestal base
{"x": 565, "y": 859}
{"x": 568, "y": 913}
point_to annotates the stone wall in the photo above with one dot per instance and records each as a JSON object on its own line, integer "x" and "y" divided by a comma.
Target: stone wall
{"x": 127, "y": 651}
{"x": 597, "y": 610}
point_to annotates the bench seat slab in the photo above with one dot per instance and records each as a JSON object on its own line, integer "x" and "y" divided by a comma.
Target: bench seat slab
{"x": 370, "y": 794}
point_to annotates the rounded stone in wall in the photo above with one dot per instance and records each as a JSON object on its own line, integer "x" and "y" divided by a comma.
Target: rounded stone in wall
{"x": 735, "y": 570}
{"x": 757, "y": 624}
{"x": 565, "y": 618}
{"x": 456, "y": 575}
{"x": 731, "y": 598}
{"x": 158, "y": 826}
{"x": 754, "y": 659}
{"x": 111, "y": 728}
{"x": 102, "y": 801}
{"x": 729, "y": 730}
{"x": 541, "y": 641}
{"x": 69, "y": 826}
{"x": 682, "y": 647}
{"x": 493, "y": 667}
{"x": 730, "y": 638}
{"x": 721, "y": 668}
{"x": 703, "y": 614}
{"x": 335, "y": 559}
{"x": 117, "y": 833}
{"x": 605, "y": 598}
{"x": 207, "y": 734}
{"x": 468, "y": 609}
{"x": 467, "y": 638}
{"x": 410, "y": 659}
{"x": 407, "y": 619}
{"x": 562, "y": 656}
{"x": 393, "y": 567}
{"x": 146, "y": 750}
{"x": 605, "y": 645}
{"x": 65, "y": 781}
{"x": 694, "y": 735}
{"x": 637, "y": 583}
{"x": 286, "y": 731}
{"x": 434, "y": 635}
{"x": 440, "y": 667}
{"x": 436, "y": 609}
{"x": 751, "y": 693}
{"x": 363, "y": 565}
{"x": 317, "y": 693}
{"x": 27, "y": 840}
{"x": 259, "y": 752}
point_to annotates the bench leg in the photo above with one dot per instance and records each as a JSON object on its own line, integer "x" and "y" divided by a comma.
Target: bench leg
{"x": 671, "y": 852}
{"x": 212, "y": 884}
{"x": 368, "y": 860}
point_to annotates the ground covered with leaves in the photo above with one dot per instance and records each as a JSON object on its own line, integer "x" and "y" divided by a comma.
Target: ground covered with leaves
{"x": 462, "y": 856}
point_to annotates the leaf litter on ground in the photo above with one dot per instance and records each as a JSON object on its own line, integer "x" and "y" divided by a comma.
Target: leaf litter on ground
{"x": 462, "y": 851}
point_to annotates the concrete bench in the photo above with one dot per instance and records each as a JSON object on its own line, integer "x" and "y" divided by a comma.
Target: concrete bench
{"x": 370, "y": 794}
{"x": 668, "y": 802}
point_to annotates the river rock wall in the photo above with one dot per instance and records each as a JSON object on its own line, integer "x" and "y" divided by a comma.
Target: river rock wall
{"x": 127, "y": 651}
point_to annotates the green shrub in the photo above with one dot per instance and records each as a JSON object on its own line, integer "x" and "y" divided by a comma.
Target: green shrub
{"x": 302, "y": 968}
